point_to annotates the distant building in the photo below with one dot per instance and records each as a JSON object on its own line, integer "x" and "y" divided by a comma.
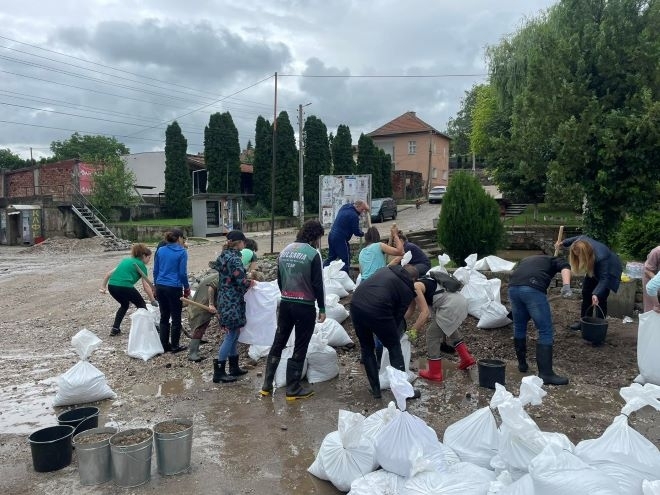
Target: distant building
{"x": 415, "y": 146}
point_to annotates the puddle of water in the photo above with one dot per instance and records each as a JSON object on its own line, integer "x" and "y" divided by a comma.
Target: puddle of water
{"x": 27, "y": 407}
{"x": 170, "y": 387}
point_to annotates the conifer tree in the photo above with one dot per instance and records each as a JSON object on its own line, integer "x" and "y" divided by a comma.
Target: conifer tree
{"x": 286, "y": 167}
{"x": 263, "y": 162}
{"x": 178, "y": 184}
{"x": 316, "y": 160}
{"x": 342, "y": 152}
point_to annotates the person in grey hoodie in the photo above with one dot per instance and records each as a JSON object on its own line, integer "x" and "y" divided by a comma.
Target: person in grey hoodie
{"x": 171, "y": 280}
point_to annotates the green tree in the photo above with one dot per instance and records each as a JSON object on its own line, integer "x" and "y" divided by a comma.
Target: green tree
{"x": 222, "y": 152}
{"x": 368, "y": 162}
{"x": 386, "y": 172}
{"x": 12, "y": 161}
{"x": 96, "y": 147}
{"x": 286, "y": 167}
{"x": 459, "y": 128}
{"x": 342, "y": 152}
{"x": 178, "y": 184}
{"x": 113, "y": 184}
{"x": 316, "y": 160}
{"x": 469, "y": 220}
{"x": 263, "y": 161}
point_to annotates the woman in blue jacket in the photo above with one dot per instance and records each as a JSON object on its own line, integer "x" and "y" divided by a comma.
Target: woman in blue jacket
{"x": 171, "y": 280}
{"x": 601, "y": 269}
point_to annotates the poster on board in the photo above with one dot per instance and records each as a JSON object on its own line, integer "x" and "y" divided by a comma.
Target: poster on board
{"x": 337, "y": 190}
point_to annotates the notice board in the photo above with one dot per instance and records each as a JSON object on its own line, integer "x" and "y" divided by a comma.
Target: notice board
{"x": 337, "y": 190}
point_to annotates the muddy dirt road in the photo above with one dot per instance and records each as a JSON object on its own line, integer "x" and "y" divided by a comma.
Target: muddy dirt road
{"x": 244, "y": 444}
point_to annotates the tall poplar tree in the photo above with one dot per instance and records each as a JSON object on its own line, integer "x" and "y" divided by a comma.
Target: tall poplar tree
{"x": 222, "y": 152}
{"x": 342, "y": 152}
{"x": 263, "y": 161}
{"x": 286, "y": 167}
{"x": 368, "y": 162}
{"x": 316, "y": 160}
{"x": 178, "y": 184}
{"x": 386, "y": 172}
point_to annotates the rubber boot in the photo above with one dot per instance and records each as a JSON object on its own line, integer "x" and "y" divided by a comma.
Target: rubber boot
{"x": 544, "y": 363}
{"x": 434, "y": 373}
{"x": 371, "y": 370}
{"x": 294, "y": 389}
{"x": 219, "y": 374}
{"x": 466, "y": 359}
{"x": 521, "y": 354}
{"x": 271, "y": 367}
{"x": 234, "y": 369}
{"x": 193, "y": 351}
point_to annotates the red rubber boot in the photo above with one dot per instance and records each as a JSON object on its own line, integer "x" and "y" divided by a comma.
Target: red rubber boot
{"x": 434, "y": 373}
{"x": 467, "y": 359}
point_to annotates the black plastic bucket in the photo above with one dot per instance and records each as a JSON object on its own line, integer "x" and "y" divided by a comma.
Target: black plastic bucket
{"x": 594, "y": 329}
{"x": 491, "y": 371}
{"x": 82, "y": 418}
{"x": 51, "y": 448}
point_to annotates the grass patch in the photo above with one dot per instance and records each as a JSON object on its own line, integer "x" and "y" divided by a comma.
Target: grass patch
{"x": 157, "y": 222}
{"x": 546, "y": 215}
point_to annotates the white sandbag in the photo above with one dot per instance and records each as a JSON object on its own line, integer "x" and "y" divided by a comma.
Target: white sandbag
{"x": 621, "y": 452}
{"x": 376, "y": 421}
{"x": 441, "y": 457}
{"x": 345, "y": 455}
{"x": 83, "y": 382}
{"x": 333, "y": 333}
{"x": 494, "y": 264}
{"x": 261, "y": 303}
{"x": 280, "y": 373}
{"x": 462, "y": 478}
{"x": 143, "y": 339}
{"x": 154, "y": 311}
{"x": 521, "y": 486}
{"x": 334, "y": 309}
{"x": 478, "y": 293}
{"x": 651, "y": 487}
{"x": 474, "y": 438}
{"x": 405, "y": 259}
{"x": 493, "y": 315}
{"x": 334, "y": 272}
{"x": 333, "y": 286}
{"x": 648, "y": 348}
{"x": 443, "y": 260}
{"x": 378, "y": 482}
{"x": 322, "y": 362}
{"x": 385, "y": 362}
{"x": 558, "y": 472}
{"x": 256, "y": 352}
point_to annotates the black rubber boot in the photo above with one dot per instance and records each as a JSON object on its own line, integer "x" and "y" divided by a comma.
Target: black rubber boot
{"x": 294, "y": 389}
{"x": 271, "y": 367}
{"x": 371, "y": 370}
{"x": 521, "y": 354}
{"x": 219, "y": 374}
{"x": 544, "y": 363}
{"x": 234, "y": 369}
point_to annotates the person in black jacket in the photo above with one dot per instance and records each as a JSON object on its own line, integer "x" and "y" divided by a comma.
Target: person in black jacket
{"x": 528, "y": 286}
{"x": 378, "y": 307}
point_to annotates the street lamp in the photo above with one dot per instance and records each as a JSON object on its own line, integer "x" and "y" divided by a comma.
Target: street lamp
{"x": 301, "y": 196}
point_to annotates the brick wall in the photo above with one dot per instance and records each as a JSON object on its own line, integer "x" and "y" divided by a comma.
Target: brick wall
{"x": 51, "y": 179}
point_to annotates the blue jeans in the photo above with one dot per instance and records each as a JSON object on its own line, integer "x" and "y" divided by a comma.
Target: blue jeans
{"x": 526, "y": 303}
{"x": 228, "y": 346}
{"x": 338, "y": 248}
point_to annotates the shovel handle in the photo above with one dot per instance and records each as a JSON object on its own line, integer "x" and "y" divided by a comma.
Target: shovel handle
{"x": 196, "y": 304}
{"x": 560, "y": 237}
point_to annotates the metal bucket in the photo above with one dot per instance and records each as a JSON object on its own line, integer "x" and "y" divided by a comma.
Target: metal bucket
{"x": 94, "y": 459}
{"x": 491, "y": 371}
{"x": 51, "y": 448}
{"x": 131, "y": 464}
{"x": 594, "y": 329}
{"x": 81, "y": 418}
{"x": 173, "y": 450}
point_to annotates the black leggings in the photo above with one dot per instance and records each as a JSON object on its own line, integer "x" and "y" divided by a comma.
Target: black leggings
{"x": 170, "y": 306}
{"x": 303, "y": 317}
{"x": 386, "y": 329}
{"x": 124, "y": 296}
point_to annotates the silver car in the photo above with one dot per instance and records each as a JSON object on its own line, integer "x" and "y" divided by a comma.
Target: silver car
{"x": 437, "y": 193}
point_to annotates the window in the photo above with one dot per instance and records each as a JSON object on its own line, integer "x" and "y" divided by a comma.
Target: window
{"x": 412, "y": 147}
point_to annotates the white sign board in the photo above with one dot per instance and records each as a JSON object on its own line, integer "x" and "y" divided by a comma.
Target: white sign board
{"x": 337, "y": 190}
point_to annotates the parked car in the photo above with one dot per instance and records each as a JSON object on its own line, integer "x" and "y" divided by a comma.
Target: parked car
{"x": 382, "y": 208}
{"x": 437, "y": 193}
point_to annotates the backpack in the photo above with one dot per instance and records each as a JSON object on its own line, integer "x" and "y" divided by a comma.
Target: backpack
{"x": 446, "y": 280}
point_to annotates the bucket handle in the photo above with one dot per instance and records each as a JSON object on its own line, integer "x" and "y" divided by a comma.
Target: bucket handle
{"x": 593, "y": 311}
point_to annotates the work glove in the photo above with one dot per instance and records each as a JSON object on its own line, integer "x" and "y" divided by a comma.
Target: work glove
{"x": 154, "y": 303}
{"x": 186, "y": 292}
{"x": 566, "y": 291}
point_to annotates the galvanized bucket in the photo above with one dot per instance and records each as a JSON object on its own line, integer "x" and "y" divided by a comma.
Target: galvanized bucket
{"x": 131, "y": 464}
{"x": 94, "y": 459}
{"x": 173, "y": 450}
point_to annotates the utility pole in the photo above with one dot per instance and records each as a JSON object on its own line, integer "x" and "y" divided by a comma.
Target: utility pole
{"x": 301, "y": 175}
{"x": 272, "y": 172}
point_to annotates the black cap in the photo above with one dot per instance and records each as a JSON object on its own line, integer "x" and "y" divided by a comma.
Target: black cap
{"x": 236, "y": 235}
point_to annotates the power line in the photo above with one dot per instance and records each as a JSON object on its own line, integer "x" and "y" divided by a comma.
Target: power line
{"x": 381, "y": 76}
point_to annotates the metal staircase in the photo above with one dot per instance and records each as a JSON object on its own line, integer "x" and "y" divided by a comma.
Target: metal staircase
{"x": 96, "y": 222}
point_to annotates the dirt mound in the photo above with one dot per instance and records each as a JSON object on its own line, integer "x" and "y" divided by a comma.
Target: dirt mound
{"x": 54, "y": 245}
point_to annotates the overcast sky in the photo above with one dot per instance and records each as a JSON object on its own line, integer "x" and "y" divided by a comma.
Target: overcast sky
{"x": 127, "y": 68}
